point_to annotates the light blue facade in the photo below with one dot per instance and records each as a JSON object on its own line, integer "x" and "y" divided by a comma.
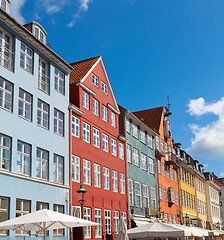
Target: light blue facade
{"x": 29, "y": 187}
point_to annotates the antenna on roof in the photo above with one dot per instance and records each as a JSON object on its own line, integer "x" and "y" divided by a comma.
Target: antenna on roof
{"x": 168, "y": 113}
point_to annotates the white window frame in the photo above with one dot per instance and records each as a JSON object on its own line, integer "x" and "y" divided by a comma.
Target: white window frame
{"x": 25, "y": 105}
{"x": 75, "y": 168}
{"x": 130, "y": 192}
{"x": 106, "y": 178}
{"x": 157, "y": 142}
{"x": 153, "y": 197}
{"x": 165, "y": 193}
{"x": 107, "y": 215}
{"x": 97, "y": 175}
{"x": 85, "y": 99}
{"x": 104, "y": 88}
{"x": 171, "y": 173}
{"x": 23, "y": 158}
{"x": 6, "y": 88}
{"x": 87, "y": 216}
{"x": 59, "y": 81}
{"x": 5, "y": 152}
{"x": 159, "y": 166}
{"x": 43, "y": 78}
{"x": 86, "y": 132}
{"x": 116, "y": 221}
{"x": 115, "y": 180}
{"x": 86, "y": 172}
{"x": 142, "y": 136}
{"x": 58, "y": 122}
{"x": 177, "y": 199}
{"x": 98, "y": 219}
{"x": 160, "y": 192}
{"x": 28, "y": 58}
{"x": 128, "y": 125}
{"x": 164, "y": 170}
{"x": 75, "y": 126}
{"x": 138, "y": 194}
{"x": 96, "y": 137}
{"x": 76, "y": 211}
{"x": 122, "y": 183}
{"x": 151, "y": 165}
{"x": 4, "y": 212}
{"x": 95, "y": 107}
{"x": 145, "y": 191}
{"x": 113, "y": 119}
{"x": 113, "y": 147}
{"x": 58, "y": 167}
{"x": 135, "y": 156}
{"x": 104, "y": 113}
{"x": 43, "y": 160}
{"x": 42, "y": 114}
{"x": 134, "y": 130}
{"x": 121, "y": 151}
{"x": 150, "y": 141}
{"x": 128, "y": 153}
{"x": 143, "y": 161}
{"x": 105, "y": 143}
{"x": 95, "y": 80}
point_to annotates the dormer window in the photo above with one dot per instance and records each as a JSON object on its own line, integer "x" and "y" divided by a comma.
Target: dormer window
{"x": 5, "y": 5}
{"x": 39, "y": 34}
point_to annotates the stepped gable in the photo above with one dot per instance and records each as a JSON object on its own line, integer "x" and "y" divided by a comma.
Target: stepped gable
{"x": 81, "y": 68}
{"x": 151, "y": 117}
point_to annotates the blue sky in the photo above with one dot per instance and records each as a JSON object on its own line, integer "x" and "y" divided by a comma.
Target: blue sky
{"x": 151, "y": 49}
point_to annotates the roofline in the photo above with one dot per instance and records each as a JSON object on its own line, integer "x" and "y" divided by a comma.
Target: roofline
{"x": 29, "y": 37}
{"x": 84, "y": 60}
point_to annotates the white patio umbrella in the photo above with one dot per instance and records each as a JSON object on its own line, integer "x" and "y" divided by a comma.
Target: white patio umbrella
{"x": 122, "y": 230}
{"x": 43, "y": 220}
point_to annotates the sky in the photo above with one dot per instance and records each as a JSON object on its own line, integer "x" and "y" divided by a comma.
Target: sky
{"x": 151, "y": 49}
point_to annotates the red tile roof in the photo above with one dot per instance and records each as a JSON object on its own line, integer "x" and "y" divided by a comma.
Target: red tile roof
{"x": 81, "y": 68}
{"x": 151, "y": 117}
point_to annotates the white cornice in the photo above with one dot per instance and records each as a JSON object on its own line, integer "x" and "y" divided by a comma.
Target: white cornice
{"x": 86, "y": 88}
{"x": 113, "y": 109}
{"x": 76, "y": 110}
{"x": 122, "y": 138}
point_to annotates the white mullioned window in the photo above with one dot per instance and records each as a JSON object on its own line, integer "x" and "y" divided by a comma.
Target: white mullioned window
{"x": 105, "y": 143}
{"x": 87, "y": 216}
{"x": 96, "y": 137}
{"x": 150, "y": 141}
{"x": 122, "y": 183}
{"x": 175, "y": 175}
{"x": 43, "y": 79}
{"x": 104, "y": 87}
{"x": 138, "y": 194}
{"x": 23, "y": 158}
{"x": 6, "y": 94}
{"x": 98, "y": 219}
{"x": 5, "y": 150}
{"x": 26, "y": 58}
{"x": 115, "y": 181}
{"x": 116, "y": 221}
{"x": 124, "y": 215}
{"x": 134, "y": 130}
{"x": 59, "y": 81}
{"x": 162, "y": 145}
{"x": 113, "y": 119}
{"x": 164, "y": 171}
{"x": 107, "y": 214}
{"x": 121, "y": 151}
{"x": 105, "y": 115}
{"x": 25, "y": 105}
{"x": 142, "y": 136}
{"x": 166, "y": 151}
{"x": 135, "y": 156}
{"x": 42, "y": 114}
{"x": 128, "y": 125}
{"x": 165, "y": 193}
{"x": 151, "y": 165}
{"x": 171, "y": 173}
{"x": 145, "y": 191}
{"x": 58, "y": 169}
{"x": 86, "y": 172}
{"x": 75, "y": 126}
{"x": 143, "y": 161}
{"x": 59, "y": 209}
{"x": 113, "y": 147}
{"x": 159, "y": 166}
{"x": 42, "y": 163}
{"x": 97, "y": 175}
{"x": 168, "y": 171}
{"x": 106, "y": 178}
{"x": 130, "y": 192}
{"x": 4, "y": 212}
{"x": 85, "y": 99}
{"x": 160, "y": 192}
{"x": 157, "y": 142}
{"x": 75, "y": 168}
{"x": 86, "y": 132}
{"x": 95, "y": 107}
{"x": 177, "y": 199}
{"x": 58, "y": 122}
{"x": 153, "y": 197}
{"x": 95, "y": 80}
{"x": 128, "y": 152}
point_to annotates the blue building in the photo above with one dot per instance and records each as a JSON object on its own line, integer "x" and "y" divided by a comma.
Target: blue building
{"x": 34, "y": 130}
{"x": 141, "y": 167}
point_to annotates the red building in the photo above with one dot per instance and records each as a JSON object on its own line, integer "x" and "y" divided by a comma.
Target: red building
{"x": 97, "y": 151}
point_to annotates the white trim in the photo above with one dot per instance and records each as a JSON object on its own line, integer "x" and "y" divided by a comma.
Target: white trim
{"x": 76, "y": 110}
{"x": 112, "y": 108}
{"x": 122, "y": 138}
{"x": 86, "y": 89}
{"x": 195, "y": 215}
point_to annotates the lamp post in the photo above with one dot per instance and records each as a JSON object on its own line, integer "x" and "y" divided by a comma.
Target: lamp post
{"x": 187, "y": 219}
{"x": 81, "y": 195}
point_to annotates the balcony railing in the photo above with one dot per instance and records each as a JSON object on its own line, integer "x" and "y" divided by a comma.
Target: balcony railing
{"x": 43, "y": 82}
{"x": 6, "y": 57}
{"x": 172, "y": 159}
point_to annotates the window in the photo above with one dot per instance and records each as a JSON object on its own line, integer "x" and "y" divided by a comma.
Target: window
{"x": 75, "y": 126}
{"x": 128, "y": 125}
{"x": 86, "y": 132}
{"x": 145, "y": 191}
{"x": 165, "y": 193}
{"x": 122, "y": 183}
{"x": 6, "y": 50}
{"x": 43, "y": 79}
{"x": 171, "y": 173}
{"x": 75, "y": 168}
{"x": 95, "y": 80}
{"x": 135, "y": 156}
{"x": 166, "y": 217}
{"x": 96, "y": 137}
{"x": 151, "y": 165}
{"x": 159, "y": 166}
{"x": 98, "y": 228}
{"x": 95, "y": 107}
{"x": 121, "y": 151}
{"x": 87, "y": 216}
{"x": 25, "y": 102}
{"x": 113, "y": 147}
{"x": 60, "y": 209}
{"x": 3, "y": 4}
{"x": 171, "y": 218}
{"x": 160, "y": 192}
{"x": 41, "y": 205}
{"x": 4, "y": 212}
{"x": 58, "y": 168}
{"x": 130, "y": 193}
{"x": 113, "y": 119}
{"x": 168, "y": 171}
{"x": 5, "y": 94}
{"x": 128, "y": 152}
{"x": 115, "y": 181}
{"x": 106, "y": 178}
{"x": 39, "y": 34}
{"x": 116, "y": 221}
{"x": 174, "y": 219}
{"x": 162, "y": 145}
{"x": 105, "y": 143}
{"x": 26, "y": 58}
{"x": 22, "y": 208}
{"x": 104, "y": 109}
{"x": 153, "y": 198}
{"x": 58, "y": 122}
{"x": 97, "y": 175}
{"x": 124, "y": 215}
{"x": 138, "y": 198}
{"x": 134, "y": 130}
{"x": 42, "y": 114}
{"x": 23, "y": 158}
{"x": 149, "y": 141}
{"x": 76, "y": 211}
{"x": 42, "y": 163}
{"x": 164, "y": 171}
{"x": 177, "y": 200}
{"x": 5, "y": 150}
{"x": 59, "y": 81}
{"x": 142, "y": 136}
{"x": 86, "y": 172}
{"x": 85, "y": 99}
{"x": 143, "y": 161}
{"x": 175, "y": 175}
{"x": 107, "y": 214}
{"x": 166, "y": 152}
{"x": 157, "y": 142}
{"x": 104, "y": 87}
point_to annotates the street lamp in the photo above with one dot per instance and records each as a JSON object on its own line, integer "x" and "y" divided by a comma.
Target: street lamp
{"x": 81, "y": 195}
{"x": 187, "y": 219}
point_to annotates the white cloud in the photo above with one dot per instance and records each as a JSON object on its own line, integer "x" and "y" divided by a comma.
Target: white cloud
{"x": 53, "y": 6}
{"x": 208, "y": 140}
{"x": 83, "y": 7}
{"x": 15, "y": 10}
{"x": 221, "y": 174}
{"x": 205, "y": 165}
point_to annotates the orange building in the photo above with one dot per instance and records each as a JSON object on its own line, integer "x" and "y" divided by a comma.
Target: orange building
{"x": 167, "y": 178}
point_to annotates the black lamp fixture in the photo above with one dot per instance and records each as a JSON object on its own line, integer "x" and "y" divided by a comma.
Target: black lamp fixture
{"x": 187, "y": 220}
{"x": 81, "y": 195}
